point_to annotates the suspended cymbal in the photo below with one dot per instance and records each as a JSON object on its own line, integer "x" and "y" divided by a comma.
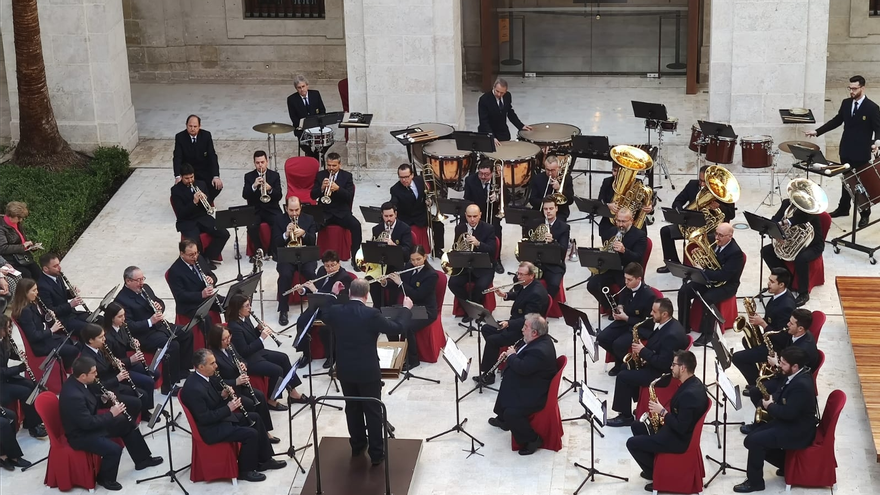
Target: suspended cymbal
{"x": 274, "y": 128}
{"x": 784, "y": 146}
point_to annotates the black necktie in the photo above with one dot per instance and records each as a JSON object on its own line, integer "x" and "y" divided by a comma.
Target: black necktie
{"x": 193, "y": 267}
{"x": 306, "y": 102}
{"x": 855, "y": 108}
{"x": 500, "y": 105}
{"x": 194, "y": 140}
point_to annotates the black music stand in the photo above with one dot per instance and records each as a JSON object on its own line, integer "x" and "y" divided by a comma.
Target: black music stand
{"x": 383, "y": 254}
{"x": 372, "y": 214}
{"x": 522, "y": 217}
{"x": 479, "y": 315}
{"x": 322, "y": 121}
{"x": 475, "y": 142}
{"x": 683, "y": 218}
{"x": 171, "y": 473}
{"x": 461, "y": 373}
{"x": 247, "y": 286}
{"x": 593, "y": 208}
{"x": 318, "y": 300}
{"x": 578, "y": 321}
{"x": 233, "y": 218}
{"x": 298, "y": 256}
{"x": 730, "y": 394}
{"x": 653, "y": 113}
{"x": 275, "y": 395}
{"x": 418, "y": 313}
{"x": 597, "y": 413}
{"x": 316, "y": 211}
{"x": 469, "y": 260}
{"x": 591, "y": 148}
{"x": 765, "y": 227}
{"x": 600, "y": 260}
{"x": 454, "y": 207}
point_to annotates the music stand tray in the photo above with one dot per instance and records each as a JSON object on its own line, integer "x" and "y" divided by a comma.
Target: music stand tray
{"x": 684, "y": 218}
{"x": 591, "y": 147}
{"x": 469, "y": 259}
{"x": 601, "y": 260}
{"x": 540, "y": 253}
{"x": 247, "y": 287}
{"x": 316, "y": 211}
{"x": 475, "y": 142}
{"x": 593, "y": 207}
{"x": 383, "y": 254}
{"x": 649, "y": 111}
{"x": 764, "y": 226}
{"x": 522, "y": 216}
{"x": 454, "y": 207}
{"x": 350, "y": 122}
{"x": 686, "y": 273}
{"x": 372, "y": 214}
{"x": 716, "y": 129}
{"x": 236, "y": 216}
{"x": 324, "y": 120}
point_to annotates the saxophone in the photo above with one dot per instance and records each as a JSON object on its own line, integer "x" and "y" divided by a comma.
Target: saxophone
{"x": 653, "y": 421}
{"x": 807, "y": 196}
{"x": 608, "y": 247}
{"x": 765, "y": 368}
{"x": 761, "y": 414}
{"x": 752, "y": 334}
{"x": 634, "y": 361}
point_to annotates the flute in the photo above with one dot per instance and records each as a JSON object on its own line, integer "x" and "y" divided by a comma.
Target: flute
{"x": 300, "y": 286}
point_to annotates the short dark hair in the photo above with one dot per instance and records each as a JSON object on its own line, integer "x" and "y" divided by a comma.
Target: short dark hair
{"x": 548, "y": 199}
{"x": 260, "y": 153}
{"x": 858, "y": 79}
{"x": 665, "y": 305}
{"x": 186, "y": 169}
{"x": 794, "y": 355}
{"x": 199, "y": 119}
{"x": 782, "y": 276}
{"x": 89, "y": 332}
{"x": 484, "y": 164}
{"x": 185, "y": 243}
{"x": 703, "y": 168}
{"x": 82, "y": 366}
{"x": 330, "y": 255}
{"x": 803, "y": 317}
{"x": 634, "y": 269}
{"x": 388, "y": 205}
{"x": 333, "y": 156}
{"x": 405, "y": 166}
{"x": 47, "y": 258}
{"x": 686, "y": 359}
{"x": 200, "y": 357}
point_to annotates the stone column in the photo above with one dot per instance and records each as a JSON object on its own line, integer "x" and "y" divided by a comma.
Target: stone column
{"x": 404, "y": 67}
{"x": 764, "y": 56}
{"x": 86, "y": 70}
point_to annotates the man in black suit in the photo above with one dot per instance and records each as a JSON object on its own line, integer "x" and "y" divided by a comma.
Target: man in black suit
{"x": 476, "y": 190}
{"x": 558, "y": 235}
{"x": 408, "y": 195}
{"x": 252, "y": 192}
{"x": 89, "y": 431}
{"x": 656, "y": 358}
{"x": 205, "y": 397}
{"x": 808, "y": 253}
{"x": 730, "y": 259}
{"x": 531, "y": 297}
{"x": 338, "y": 210}
{"x": 295, "y": 228}
{"x": 630, "y": 246}
{"x": 55, "y": 295}
{"x": 147, "y": 324}
{"x": 635, "y": 301}
{"x": 494, "y": 109}
{"x": 671, "y": 233}
{"x": 190, "y": 281}
{"x": 481, "y": 238}
{"x": 861, "y": 134}
{"x": 792, "y": 425}
{"x": 686, "y": 407}
{"x": 539, "y": 188}
{"x": 195, "y": 147}
{"x": 192, "y": 218}
{"x": 528, "y": 373}
{"x": 399, "y": 234}
{"x": 304, "y": 103}
{"x": 357, "y": 365}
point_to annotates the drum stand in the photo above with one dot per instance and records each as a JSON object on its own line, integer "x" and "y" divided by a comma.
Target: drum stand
{"x": 775, "y": 189}
{"x": 661, "y": 159}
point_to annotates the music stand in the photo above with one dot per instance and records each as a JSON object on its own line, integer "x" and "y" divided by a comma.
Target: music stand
{"x": 320, "y": 299}
{"x": 454, "y": 207}
{"x": 716, "y": 130}
{"x": 108, "y": 298}
{"x": 540, "y": 253}
{"x": 247, "y": 286}
{"x": 469, "y": 260}
{"x": 601, "y": 261}
{"x": 522, "y": 216}
{"x": 577, "y": 321}
{"x": 395, "y": 313}
{"x": 235, "y": 217}
{"x": 298, "y": 256}
{"x": 460, "y": 366}
{"x": 479, "y": 315}
{"x": 732, "y": 395}
{"x": 306, "y": 333}
{"x": 593, "y": 208}
{"x": 385, "y": 255}
{"x": 276, "y": 394}
{"x": 372, "y": 214}
{"x": 597, "y": 413}
{"x": 171, "y": 473}
{"x": 475, "y": 142}
{"x": 316, "y": 211}
{"x": 765, "y": 227}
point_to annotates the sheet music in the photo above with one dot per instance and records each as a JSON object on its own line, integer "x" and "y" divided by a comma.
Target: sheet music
{"x": 454, "y": 356}
{"x": 727, "y": 387}
{"x": 386, "y": 357}
{"x": 589, "y": 400}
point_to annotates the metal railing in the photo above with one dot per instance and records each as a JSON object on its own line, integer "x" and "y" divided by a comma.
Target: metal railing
{"x": 284, "y": 9}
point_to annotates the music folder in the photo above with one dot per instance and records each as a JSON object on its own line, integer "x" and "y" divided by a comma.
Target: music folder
{"x": 456, "y": 359}
{"x": 589, "y": 401}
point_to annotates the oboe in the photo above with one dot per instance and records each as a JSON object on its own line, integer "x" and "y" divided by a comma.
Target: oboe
{"x": 263, "y": 325}
{"x": 111, "y": 398}
{"x": 23, "y": 357}
{"x": 503, "y": 358}
{"x": 108, "y": 354}
{"x": 232, "y": 397}
{"x": 72, "y": 292}
{"x": 240, "y": 367}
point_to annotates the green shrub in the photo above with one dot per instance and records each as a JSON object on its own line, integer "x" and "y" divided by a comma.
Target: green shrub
{"x": 63, "y": 204}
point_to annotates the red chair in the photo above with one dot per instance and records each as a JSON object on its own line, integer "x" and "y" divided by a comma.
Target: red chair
{"x": 548, "y": 422}
{"x": 816, "y": 373}
{"x": 65, "y": 468}
{"x": 300, "y": 172}
{"x": 265, "y": 240}
{"x": 727, "y": 308}
{"x": 817, "y": 266}
{"x": 815, "y": 466}
{"x": 148, "y": 357}
{"x": 294, "y": 297}
{"x": 211, "y": 462}
{"x": 818, "y": 322}
{"x": 342, "y": 87}
{"x": 682, "y": 473}
{"x": 432, "y": 338}
{"x": 336, "y": 238}
{"x": 488, "y": 301}
{"x": 204, "y": 238}
{"x": 553, "y": 311}
{"x": 260, "y": 383}
{"x": 55, "y": 379}
{"x": 420, "y": 237}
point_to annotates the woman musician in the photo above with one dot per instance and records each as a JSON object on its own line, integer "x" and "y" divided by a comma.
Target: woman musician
{"x": 420, "y": 285}
{"x": 119, "y": 341}
{"x": 42, "y": 330}
{"x": 15, "y": 383}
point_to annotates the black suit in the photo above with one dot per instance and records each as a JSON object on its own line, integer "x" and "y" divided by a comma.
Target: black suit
{"x": 298, "y": 110}
{"x": 401, "y": 235}
{"x": 778, "y": 312}
{"x": 529, "y": 299}
{"x": 538, "y": 185}
{"x": 475, "y": 192}
{"x": 287, "y": 270}
{"x": 413, "y": 211}
{"x": 527, "y": 377}
{"x": 325, "y": 333}
{"x": 481, "y": 277}
{"x": 201, "y": 156}
{"x": 686, "y": 407}
{"x": 338, "y": 211}
{"x": 261, "y": 361}
{"x": 421, "y": 287}
{"x": 732, "y": 263}
{"x": 118, "y": 344}
{"x": 671, "y": 233}
{"x": 616, "y": 337}
{"x": 808, "y": 253}
{"x": 54, "y": 295}
{"x": 357, "y": 367}
{"x": 193, "y": 220}
{"x": 41, "y": 339}
{"x": 16, "y": 385}
{"x": 107, "y": 374}
{"x": 806, "y": 342}
{"x": 658, "y": 355}
{"x": 229, "y": 373}
{"x": 89, "y": 431}
{"x": 216, "y": 423}
{"x": 186, "y": 285}
{"x": 635, "y": 242}
{"x": 859, "y": 132}
{"x": 266, "y": 212}
{"x": 553, "y": 273}
{"x": 493, "y": 117}
{"x": 8, "y": 444}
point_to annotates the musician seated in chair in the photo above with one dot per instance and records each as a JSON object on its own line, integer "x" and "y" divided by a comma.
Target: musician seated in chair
{"x": 607, "y": 196}
{"x": 472, "y": 235}
{"x": 119, "y": 341}
{"x": 674, "y": 426}
{"x": 262, "y": 184}
{"x": 189, "y": 200}
{"x": 420, "y": 285}
{"x": 528, "y": 297}
{"x": 294, "y": 229}
{"x": 16, "y": 385}
{"x": 482, "y": 190}
{"x": 550, "y": 184}
{"x": 195, "y": 146}
{"x": 304, "y": 103}
{"x": 528, "y": 372}
{"x": 807, "y": 246}
{"x": 337, "y": 186}
{"x": 410, "y": 195}
{"x": 191, "y": 282}
{"x": 60, "y": 298}
{"x": 722, "y": 268}
{"x": 552, "y": 231}
{"x": 626, "y": 241}
{"x": 43, "y": 331}
{"x": 393, "y": 232}
{"x": 635, "y": 301}
{"x": 649, "y": 361}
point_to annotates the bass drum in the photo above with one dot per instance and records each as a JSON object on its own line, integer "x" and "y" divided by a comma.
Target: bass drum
{"x": 756, "y": 151}
{"x": 720, "y": 150}
{"x": 518, "y": 159}
{"x": 448, "y": 163}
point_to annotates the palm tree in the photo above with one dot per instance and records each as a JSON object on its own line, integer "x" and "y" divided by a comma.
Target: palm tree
{"x": 40, "y": 145}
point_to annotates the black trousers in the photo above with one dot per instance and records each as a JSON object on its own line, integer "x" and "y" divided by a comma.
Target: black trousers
{"x": 19, "y": 389}
{"x": 178, "y": 359}
{"x": 845, "y": 196}
{"x": 763, "y": 445}
{"x": 144, "y": 383}
{"x": 712, "y": 295}
{"x": 75, "y": 322}
{"x": 8, "y": 443}
{"x": 644, "y": 447}
{"x": 412, "y": 348}
{"x": 517, "y": 419}
{"x": 438, "y": 230}
{"x": 208, "y": 179}
{"x": 255, "y": 446}
{"x": 285, "y": 280}
{"x": 351, "y": 224}
{"x": 253, "y": 231}
{"x": 262, "y": 409}
{"x": 273, "y": 365}
{"x": 626, "y": 388}
{"x": 68, "y": 352}
{"x": 746, "y": 362}
{"x": 496, "y": 339}
{"x": 616, "y": 339}
{"x": 458, "y": 285}
{"x": 607, "y": 279}
{"x": 553, "y": 277}
{"x": 801, "y": 264}
{"x": 219, "y": 238}
{"x": 109, "y": 450}
{"x": 668, "y": 235}
{"x": 364, "y": 418}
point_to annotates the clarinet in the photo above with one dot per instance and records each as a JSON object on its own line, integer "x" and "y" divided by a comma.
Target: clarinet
{"x": 156, "y": 311}
{"x": 72, "y": 292}
{"x": 49, "y": 315}
{"x": 23, "y": 357}
{"x": 263, "y": 325}
{"x": 502, "y": 358}
{"x": 112, "y": 399}
{"x": 135, "y": 345}
{"x": 241, "y": 372}
{"x": 228, "y": 389}
{"x": 117, "y": 363}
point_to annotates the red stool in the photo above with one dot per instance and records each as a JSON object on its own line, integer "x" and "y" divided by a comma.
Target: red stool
{"x": 682, "y": 473}
{"x": 265, "y": 240}
{"x": 817, "y": 266}
{"x": 548, "y": 422}
{"x": 432, "y": 338}
{"x": 300, "y": 172}
{"x": 211, "y": 462}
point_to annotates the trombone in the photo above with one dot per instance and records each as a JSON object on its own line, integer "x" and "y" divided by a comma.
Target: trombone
{"x": 326, "y": 199}
{"x": 204, "y": 201}
{"x": 507, "y": 286}
{"x": 264, "y": 191}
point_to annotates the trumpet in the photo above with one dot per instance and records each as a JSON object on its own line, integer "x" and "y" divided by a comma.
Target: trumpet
{"x": 264, "y": 190}
{"x": 502, "y": 358}
{"x": 204, "y": 201}
{"x": 72, "y": 291}
{"x": 232, "y": 396}
{"x": 612, "y": 303}
{"x": 110, "y": 398}
{"x": 263, "y": 325}
{"x": 326, "y": 199}
{"x": 506, "y": 286}
{"x": 385, "y": 277}
{"x": 300, "y": 286}
{"x": 292, "y": 240}
{"x": 23, "y": 358}
{"x": 49, "y": 315}
{"x": 242, "y": 372}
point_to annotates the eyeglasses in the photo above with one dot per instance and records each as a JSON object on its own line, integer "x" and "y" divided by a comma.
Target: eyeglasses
{"x": 851, "y": 89}
{"x": 139, "y": 280}
{"x": 404, "y": 176}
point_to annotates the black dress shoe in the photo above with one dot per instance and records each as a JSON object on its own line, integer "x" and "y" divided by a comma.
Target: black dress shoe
{"x": 113, "y": 486}
{"x": 531, "y": 447}
{"x": 646, "y": 476}
{"x": 38, "y": 431}
{"x": 303, "y": 399}
{"x": 467, "y": 319}
{"x": 747, "y": 428}
{"x": 615, "y": 370}
{"x": 409, "y": 366}
{"x": 283, "y": 319}
{"x": 649, "y": 487}
{"x": 497, "y": 423}
{"x": 840, "y": 212}
{"x": 780, "y": 472}
{"x": 864, "y": 220}
{"x": 748, "y": 487}
{"x": 21, "y": 462}
{"x": 802, "y": 298}
{"x": 327, "y": 364}
{"x": 704, "y": 339}
{"x": 252, "y": 476}
{"x": 375, "y": 461}
{"x": 277, "y": 407}
{"x": 149, "y": 462}
{"x": 747, "y": 391}
{"x": 274, "y": 440}
{"x": 499, "y": 268}
{"x": 354, "y": 266}
{"x": 486, "y": 378}
{"x": 663, "y": 269}
{"x": 7, "y": 465}
{"x": 621, "y": 421}
{"x": 212, "y": 265}
{"x": 358, "y": 451}
{"x": 271, "y": 464}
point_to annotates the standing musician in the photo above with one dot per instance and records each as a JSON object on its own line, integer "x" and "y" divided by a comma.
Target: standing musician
{"x": 195, "y": 147}
{"x": 530, "y": 298}
{"x": 655, "y": 358}
{"x": 259, "y": 184}
{"x": 304, "y": 103}
{"x": 494, "y": 109}
{"x": 43, "y": 331}
{"x": 249, "y": 344}
{"x": 527, "y": 377}
{"x": 420, "y": 285}
{"x": 14, "y": 245}
{"x": 671, "y": 233}
{"x": 399, "y": 234}
{"x": 358, "y": 365}
{"x": 147, "y": 324}
{"x": 861, "y": 129}
{"x": 723, "y": 282}
{"x": 635, "y": 301}
{"x": 191, "y": 281}
{"x": 16, "y": 383}
{"x": 476, "y": 190}
{"x": 192, "y": 217}
{"x": 792, "y": 425}
{"x": 408, "y": 195}
{"x": 119, "y": 341}
{"x": 540, "y": 188}
{"x": 686, "y": 407}
{"x": 337, "y": 186}
{"x": 206, "y": 398}
{"x": 294, "y": 229}
{"x": 630, "y": 246}
{"x": 558, "y": 234}
{"x": 478, "y": 235}
{"x": 56, "y": 296}
{"x": 91, "y": 431}
{"x": 606, "y": 195}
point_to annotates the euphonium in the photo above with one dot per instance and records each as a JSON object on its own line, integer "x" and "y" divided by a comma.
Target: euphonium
{"x": 264, "y": 190}
{"x": 752, "y": 333}
{"x": 722, "y": 186}
{"x": 204, "y": 201}
{"x": 807, "y": 196}
{"x": 653, "y": 421}
{"x": 634, "y": 361}
{"x": 701, "y": 253}
{"x": 630, "y": 192}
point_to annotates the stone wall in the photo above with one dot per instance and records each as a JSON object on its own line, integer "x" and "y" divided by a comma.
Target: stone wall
{"x": 211, "y": 40}
{"x": 5, "y": 119}
{"x": 853, "y": 42}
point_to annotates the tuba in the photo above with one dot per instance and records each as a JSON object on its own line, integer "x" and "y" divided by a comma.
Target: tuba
{"x": 752, "y": 334}
{"x": 720, "y": 185}
{"x": 807, "y": 196}
{"x": 653, "y": 421}
{"x": 630, "y": 192}
{"x": 701, "y": 253}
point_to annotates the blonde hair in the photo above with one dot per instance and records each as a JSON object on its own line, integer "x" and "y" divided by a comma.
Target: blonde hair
{"x": 17, "y": 209}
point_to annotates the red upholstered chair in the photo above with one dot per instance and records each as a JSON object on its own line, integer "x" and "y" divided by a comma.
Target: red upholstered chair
{"x": 342, "y": 87}
{"x": 265, "y": 240}
{"x": 488, "y": 302}
{"x": 198, "y": 336}
{"x": 816, "y": 373}
{"x": 55, "y": 379}
{"x": 204, "y": 238}
{"x": 818, "y": 322}
{"x": 420, "y": 237}
{"x": 432, "y": 338}
{"x": 211, "y": 462}
{"x": 336, "y": 238}
{"x": 300, "y": 172}
{"x": 553, "y": 310}
{"x": 548, "y": 422}
{"x": 727, "y": 308}
{"x": 148, "y": 357}
{"x": 682, "y": 473}
{"x": 815, "y": 466}
{"x": 294, "y": 297}
{"x": 648, "y": 248}
{"x": 260, "y": 383}
{"x": 817, "y": 266}
{"x": 65, "y": 468}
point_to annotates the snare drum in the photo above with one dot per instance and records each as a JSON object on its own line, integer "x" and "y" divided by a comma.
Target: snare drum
{"x": 550, "y": 135}
{"x": 518, "y": 159}
{"x": 670, "y": 125}
{"x": 720, "y": 150}
{"x": 441, "y": 130}
{"x": 448, "y": 162}
{"x": 696, "y": 137}
{"x": 756, "y": 151}
{"x": 318, "y": 137}
{"x": 864, "y": 185}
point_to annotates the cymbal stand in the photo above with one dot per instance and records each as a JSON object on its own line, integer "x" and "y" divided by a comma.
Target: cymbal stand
{"x": 661, "y": 159}
{"x": 775, "y": 188}
{"x": 273, "y": 147}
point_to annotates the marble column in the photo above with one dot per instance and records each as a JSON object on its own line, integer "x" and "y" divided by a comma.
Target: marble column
{"x": 404, "y": 67}
{"x": 764, "y": 56}
{"x": 86, "y": 71}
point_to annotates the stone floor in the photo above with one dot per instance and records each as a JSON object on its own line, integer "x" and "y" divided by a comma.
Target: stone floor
{"x": 139, "y": 225}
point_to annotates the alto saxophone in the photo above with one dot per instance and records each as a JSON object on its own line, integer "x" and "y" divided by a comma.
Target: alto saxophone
{"x": 761, "y": 414}
{"x": 634, "y": 361}
{"x": 752, "y": 333}
{"x": 653, "y": 421}
{"x": 765, "y": 368}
